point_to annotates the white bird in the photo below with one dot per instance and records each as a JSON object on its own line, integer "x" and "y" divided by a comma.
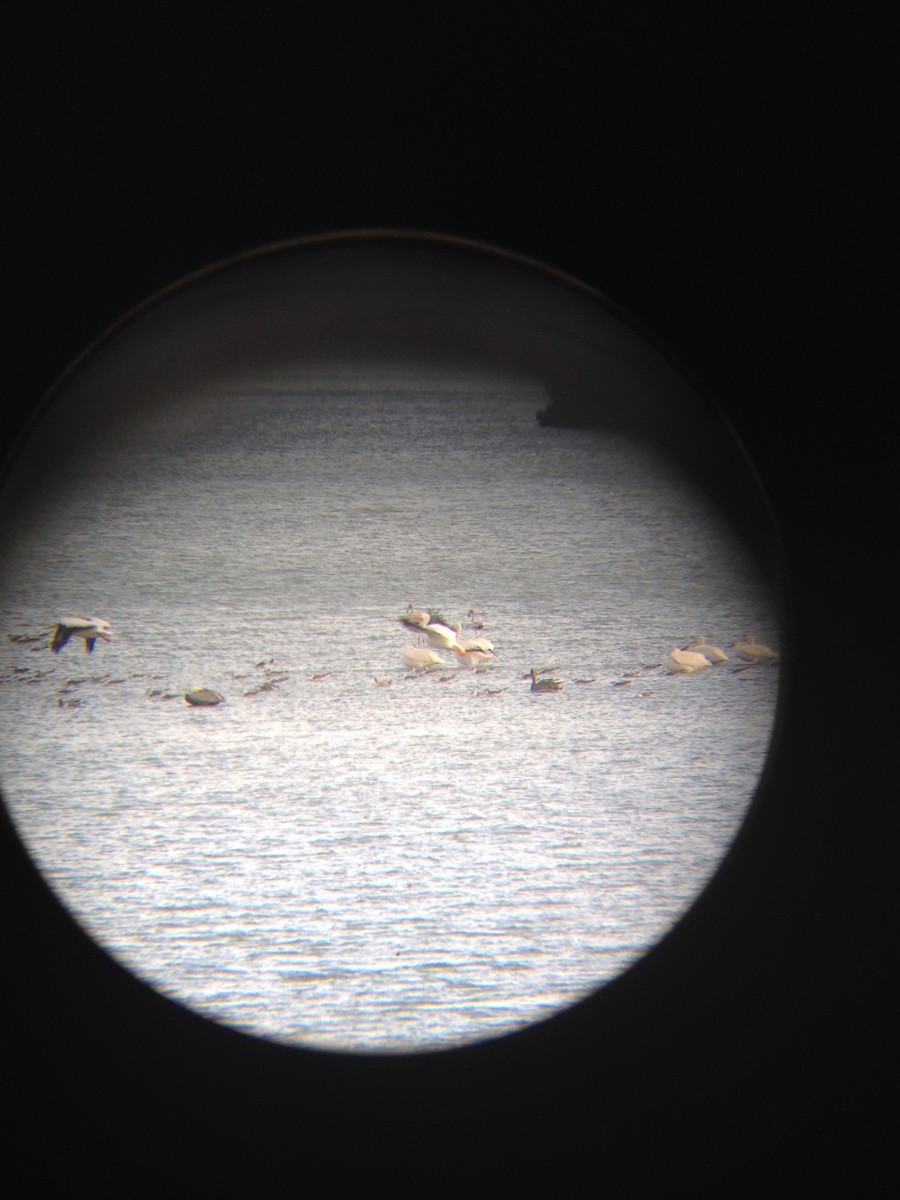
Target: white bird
{"x": 477, "y": 622}
{"x": 684, "y": 662}
{"x": 442, "y": 637}
{"x": 89, "y": 628}
{"x": 547, "y": 684}
{"x": 435, "y": 628}
{"x": 474, "y": 654}
{"x": 415, "y": 618}
{"x": 421, "y": 659}
{"x": 203, "y": 696}
{"x": 751, "y": 651}
{"x": 481, "y": 644}
{"x": 713, "y": 653}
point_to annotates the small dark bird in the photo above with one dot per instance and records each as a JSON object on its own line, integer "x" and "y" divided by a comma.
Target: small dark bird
{"x": 547, "y": 684}
{"x": 200, "y": 696}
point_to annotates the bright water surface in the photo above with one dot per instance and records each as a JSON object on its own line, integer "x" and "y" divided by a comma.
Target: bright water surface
{"x": 354, "y": 866}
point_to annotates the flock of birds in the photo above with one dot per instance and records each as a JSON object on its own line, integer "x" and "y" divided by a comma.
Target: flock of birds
{"x": 440, "y": 634}
{"x": 434, "y": 632}
{"x": 699, "y": 654}
{"x": 476, "y": 653}
{"x": 437, "y": 631}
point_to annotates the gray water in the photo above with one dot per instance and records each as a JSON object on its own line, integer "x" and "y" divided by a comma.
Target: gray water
{"x": 331, "y": 862}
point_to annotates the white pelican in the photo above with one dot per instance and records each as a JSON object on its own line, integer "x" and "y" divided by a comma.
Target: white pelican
{"x": 547, "y": 684}
{"x": 474, "y": 656}
{"x": 420, "y": 659}
{"x": 89, "y": 628}
{"x": 751, "y": 651}
{"x": 713, "y": 653}
{"x": 442, "y": 637}
{"x": 684, "y": 662}
{"x": 202, "y": 695}
{"x": 436, "y": 629}
{"x": 477, "y": 644}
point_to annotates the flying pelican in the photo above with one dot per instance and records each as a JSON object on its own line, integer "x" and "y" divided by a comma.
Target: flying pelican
{"x": 421, "y": 660}
{"x": 546, "y": 684}
{"x": 684, "y": 662}
{"x": 436, "y": 629}
{"x": 89, "y": 628}
{"x": 751, "y": 651}
{"x": 441, "y": 636}
{"x": 203, "y": 696}
{"x": 713, "y": 653}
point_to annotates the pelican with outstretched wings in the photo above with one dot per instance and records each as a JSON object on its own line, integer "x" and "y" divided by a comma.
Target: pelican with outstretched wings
{"x": 89, "y": 628}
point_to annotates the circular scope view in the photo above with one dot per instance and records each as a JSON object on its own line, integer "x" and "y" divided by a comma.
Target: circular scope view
{"x": 388, "y": 654}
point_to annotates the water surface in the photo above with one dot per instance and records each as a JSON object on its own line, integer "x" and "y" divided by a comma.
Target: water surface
{"x": 354, "y": 866}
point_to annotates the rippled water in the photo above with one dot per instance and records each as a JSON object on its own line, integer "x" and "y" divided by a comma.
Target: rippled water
{"x": 356, "y": 866}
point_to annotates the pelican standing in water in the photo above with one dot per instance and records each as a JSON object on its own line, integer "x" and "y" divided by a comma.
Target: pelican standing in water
{"x": 419, "y": 659}
{"x": 477, "y": 623}
{"x": 89, "y": 628}
{"x": 751, "y": 651}
{"x": 685, "y": 662}
{"x": 476, "y": 644}
{"x": 474, "y": 654}
{"x": 713, "y": 653}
